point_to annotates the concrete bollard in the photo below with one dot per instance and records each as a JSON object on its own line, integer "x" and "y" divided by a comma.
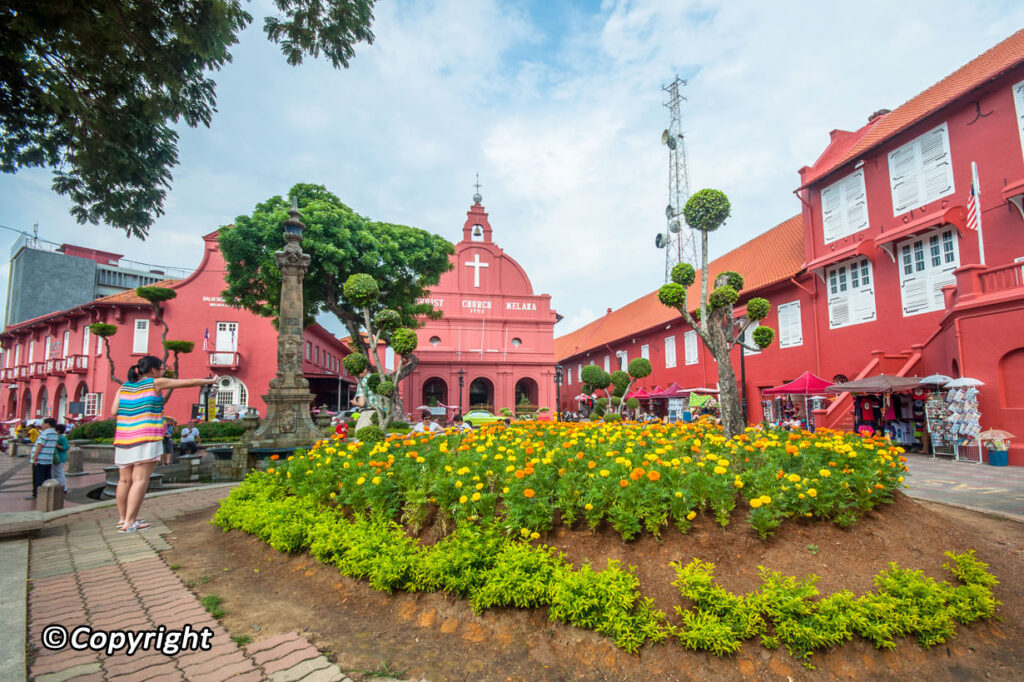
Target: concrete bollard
{"x": 74, "y": 464}
{"x": 50, "y": 496}
{"x": 192, "y": 464}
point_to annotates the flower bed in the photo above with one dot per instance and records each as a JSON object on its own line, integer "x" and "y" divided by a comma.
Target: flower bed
{"x": 634, "y": 476}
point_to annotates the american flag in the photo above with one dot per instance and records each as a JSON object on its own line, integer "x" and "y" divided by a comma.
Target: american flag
{"x": 206, "y": 341}
{"x": 973, "y": 210}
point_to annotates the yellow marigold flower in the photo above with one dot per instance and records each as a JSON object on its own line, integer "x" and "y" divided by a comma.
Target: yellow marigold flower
{"x": 738, "y": 483}
{"x": 270, "y": 470}
{"x": 687, "y": 460}
{"x": 794, "y": 478}
{"x": 534, "y": 535}
{"x": 824, "y": 473}
{"x": 801, "y": 496}
{"x": 505, "y": 490}
{"x": 333, "y": 495}
{"x": 678, "y": 494}
{"x": 812, "y": 492}
{"x": 458, "y": 484}
{"x": 723, "y": 462}
{"x": 476, "y": 496}
{"x": 720, "y": 470}
{"x": 765, "y": 499}
{"x": 605, "y": 473}
{"x": 588, "y": 506}
{"x": 900, "y": 479}
{"x": 462, "y": 500}
{"x": 524, "y": 531}
{"x": 691, "y": 516}
{"x": 361, "y": 480}
{"x": 376, "y": 480}
{"x": 756, "y": 502}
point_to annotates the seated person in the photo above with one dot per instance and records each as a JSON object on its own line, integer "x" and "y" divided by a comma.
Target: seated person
{"x": 459, "y": 424}
{"x": 427, "y": 424}
{"x": 189, "y": 442}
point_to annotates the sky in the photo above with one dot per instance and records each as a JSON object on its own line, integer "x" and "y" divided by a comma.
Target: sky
{"x": 559, "y": 108}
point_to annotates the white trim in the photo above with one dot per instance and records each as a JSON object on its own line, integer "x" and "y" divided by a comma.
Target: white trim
{"x": 921, "y": 288}
{"x": 850, "y": 300}
{"x": 670, "y": 352}
{"x": 140, "y": 338}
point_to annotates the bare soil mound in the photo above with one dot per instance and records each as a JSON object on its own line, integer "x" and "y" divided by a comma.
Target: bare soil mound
{"x": 439, "y": 637}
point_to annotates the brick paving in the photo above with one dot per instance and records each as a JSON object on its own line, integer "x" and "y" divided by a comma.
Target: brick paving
{"x": 83, "y": 573}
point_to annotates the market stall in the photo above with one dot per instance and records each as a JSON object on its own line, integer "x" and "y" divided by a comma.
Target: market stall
{"x": 784, "y": 410}
{"x": 888, "y": 404}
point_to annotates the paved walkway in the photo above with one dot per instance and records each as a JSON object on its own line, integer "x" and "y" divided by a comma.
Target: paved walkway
{"x": 81, "y": 572}
{"x": 996, "y": 490}
{"x": 16, "y": 484}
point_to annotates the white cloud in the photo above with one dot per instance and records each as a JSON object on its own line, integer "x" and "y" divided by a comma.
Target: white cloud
{"x": 559, "y": 107}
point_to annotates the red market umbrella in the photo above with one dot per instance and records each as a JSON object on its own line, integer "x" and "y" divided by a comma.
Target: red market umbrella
{"x": 805, "y": 384}
{"x": 641, "y": 394}
{"x": 670, "y": 392}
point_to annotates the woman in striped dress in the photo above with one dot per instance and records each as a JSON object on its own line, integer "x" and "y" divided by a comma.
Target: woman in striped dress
{"x": 138, "y": 441}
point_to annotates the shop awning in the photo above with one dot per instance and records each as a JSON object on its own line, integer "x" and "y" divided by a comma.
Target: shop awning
{"x": 883, "y": 383}
{"x": 806, "y": 384}
{"x": 673, "y": 391}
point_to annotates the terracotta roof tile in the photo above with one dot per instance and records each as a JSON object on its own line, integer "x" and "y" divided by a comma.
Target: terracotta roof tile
{"x": 129, "y": 295}
{"x": 776, "y": 255}
{"x": 971, "y": 75}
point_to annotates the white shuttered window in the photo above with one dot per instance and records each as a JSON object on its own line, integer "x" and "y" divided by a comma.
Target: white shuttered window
{"x": 690, "y": 347}
{"x": 607, "y": 364}
{"x": 790, "y": 330}
{"x": 921, "y": 171}
{"x": 140, "y": 343}
{"x": 1018, "y": 102}
{"x": 926, "y": 265}
{"x": 851, "y": 293}
{"x": 645, "y": 352}
{"x": 844, "y": 207}
{"x": 670, "y": 351}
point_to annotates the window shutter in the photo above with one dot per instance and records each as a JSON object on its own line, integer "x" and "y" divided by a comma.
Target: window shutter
{"x": 1018, "y": 102}
{"x": 855, "y": 203}
{"x": 645, "y": 352}
{"x": 936, "y": 167}
{"x": 607, "y": 364}
{"x": 790, "y": 329}
{"x": 839, "y": 311}
{"x": 903, "y": 177}
{"x": 85, "y": 341}
{"x": 915, "y": 289}
{"x": 863, "y": 304}
{"x": 690, "y": 347}
{"x": 831, "y": 212}
{"x": 140, "y": 344}
{"x": 670, "y": 351}
{"x": 66, "y": 346}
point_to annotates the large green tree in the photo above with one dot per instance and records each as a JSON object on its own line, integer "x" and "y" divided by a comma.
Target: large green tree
{"x": 403, "y": 261}
{"x": 91, "y": 88}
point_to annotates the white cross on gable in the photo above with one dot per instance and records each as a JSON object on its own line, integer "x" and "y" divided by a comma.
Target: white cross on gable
{"x": 476, "y": 265}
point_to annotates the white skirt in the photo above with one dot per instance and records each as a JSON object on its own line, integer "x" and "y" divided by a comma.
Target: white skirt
{"x": 150, "y": 451}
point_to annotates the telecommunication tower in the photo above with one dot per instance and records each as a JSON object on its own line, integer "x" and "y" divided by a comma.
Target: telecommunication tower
{"x": 678, "y": 240}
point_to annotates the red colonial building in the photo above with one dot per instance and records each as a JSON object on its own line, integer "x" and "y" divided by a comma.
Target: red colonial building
{"x": 494, "y": 346}
{"x": 53, "y": 360}
{"x": 880, "y": 271}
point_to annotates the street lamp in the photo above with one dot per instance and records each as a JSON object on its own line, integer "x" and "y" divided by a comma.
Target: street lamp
{"x": 462, "y": 380}
{"x": 205, "y": 392}
{"x": 558, "y": 393}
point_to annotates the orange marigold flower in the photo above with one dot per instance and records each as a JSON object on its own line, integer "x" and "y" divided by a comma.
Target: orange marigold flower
{"x": 520, "y": 473}
{"x": 529, "y": 450}
{"x": 653, "y": 475}
{"x": 624, "y": 483}
{"x": 528, "y": 492}
{"x": 591, "y": 464}
{"x": 275, "y": 457}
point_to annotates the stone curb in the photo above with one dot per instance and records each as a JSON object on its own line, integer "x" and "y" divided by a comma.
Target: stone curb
{"x": 1006, "y": 516}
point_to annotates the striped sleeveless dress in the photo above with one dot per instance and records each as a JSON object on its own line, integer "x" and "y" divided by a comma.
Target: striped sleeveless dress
{"x": 140, "y": 423}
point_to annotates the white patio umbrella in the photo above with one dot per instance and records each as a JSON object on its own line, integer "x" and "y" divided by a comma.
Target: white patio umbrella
{"x": 965, "y": 382}
{"x": 937, "y": 379}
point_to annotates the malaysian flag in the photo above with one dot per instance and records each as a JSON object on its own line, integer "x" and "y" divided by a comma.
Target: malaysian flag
{"x": 206, "y": 341}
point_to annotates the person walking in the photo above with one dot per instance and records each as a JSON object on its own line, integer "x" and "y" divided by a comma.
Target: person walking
{"x": 60, "y": 457}
{"x": 42, "y": 454}
{"x": 138, "y": 439}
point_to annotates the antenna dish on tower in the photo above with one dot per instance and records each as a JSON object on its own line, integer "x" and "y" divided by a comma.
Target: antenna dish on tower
{"x": 674, "y": 226}
{"x": 659, "y": 241}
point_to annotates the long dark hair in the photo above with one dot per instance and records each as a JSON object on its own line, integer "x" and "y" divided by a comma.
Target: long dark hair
{"x": 145, "y": 364}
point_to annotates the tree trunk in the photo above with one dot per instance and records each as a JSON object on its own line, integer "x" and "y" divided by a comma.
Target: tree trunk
{"x": 729, "y": 398}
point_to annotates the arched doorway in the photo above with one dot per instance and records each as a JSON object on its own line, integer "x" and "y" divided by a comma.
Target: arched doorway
{"x": 43, "y": 403}
{"x": 232, "y": 398}
{"x": 81, "y": 391}
{"x": 526, "y": 394}
{"x": 1011, "y": 374}
{"x": 12, "y": 405}
{"x": 435, "y": 392}
{"x": 481, "y": 394}
{"x": 61, "y": 404}
{"x": 26, "y": 405}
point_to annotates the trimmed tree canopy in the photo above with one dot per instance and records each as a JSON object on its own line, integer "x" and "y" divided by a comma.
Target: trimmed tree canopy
{"x": 707, "y": 210}
{"x": 95, "y": 89}
{"x": 639, "y": 368}
{"x": 355, "y": 363}
{"x": 595, "y": 377}
{"x": 102, "y": 329}
{"x": 180, "y": 346}
{"x": 156, "y": 294}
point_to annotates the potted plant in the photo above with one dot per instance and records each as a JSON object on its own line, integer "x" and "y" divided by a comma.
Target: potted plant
{"x": 997, "y": 442}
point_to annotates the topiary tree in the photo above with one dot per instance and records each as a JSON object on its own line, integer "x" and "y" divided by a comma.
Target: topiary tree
{"x": 156, "y": 296}
{"x": 638, "y": 368}
{"x": 596, "y": 379}
{"x": 382, "y": 324}
{"x": 105, "y": 331}
{"x": 177, "y": 347}
{"x": 714, "y": 319}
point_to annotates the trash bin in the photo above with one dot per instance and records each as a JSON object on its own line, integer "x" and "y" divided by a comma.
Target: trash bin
{"x": 998, "y": 458}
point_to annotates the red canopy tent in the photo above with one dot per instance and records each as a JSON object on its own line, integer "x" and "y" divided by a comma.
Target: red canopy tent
{"x": 673, "y": 391}
{"x": 805, "y": 384}
{"x": 641, "y": 394}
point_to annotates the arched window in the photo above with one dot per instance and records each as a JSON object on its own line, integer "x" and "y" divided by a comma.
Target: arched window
{"x": 481, "y": 394}
{"x": 43, "y": 403}
{"x": 232, "y": 397}
{"x": 435, "y": 392}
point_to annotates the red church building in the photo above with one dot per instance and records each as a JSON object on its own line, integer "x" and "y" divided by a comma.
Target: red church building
{"x": 493, "y": 348}
{"x": 882, "y": 270}
{"x": 53, "y": 360}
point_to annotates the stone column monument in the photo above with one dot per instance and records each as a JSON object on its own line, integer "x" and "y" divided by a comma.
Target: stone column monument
{"x": 288, "y": 423}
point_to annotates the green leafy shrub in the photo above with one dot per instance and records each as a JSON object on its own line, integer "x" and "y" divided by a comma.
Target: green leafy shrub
{"x": 355, "y": 363}
{"x": 763, "y": 336}
{"x": 361, "y": 289}
{"x": 104, "y": 428}
{"x": 758, "y": 308}
{"x": 672, "y": 295}
{"x": 370, "y": 434}
{"x": 404, "y": 341}
{"x": 706, "y": 210}
{"x": 683, "y": 274}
